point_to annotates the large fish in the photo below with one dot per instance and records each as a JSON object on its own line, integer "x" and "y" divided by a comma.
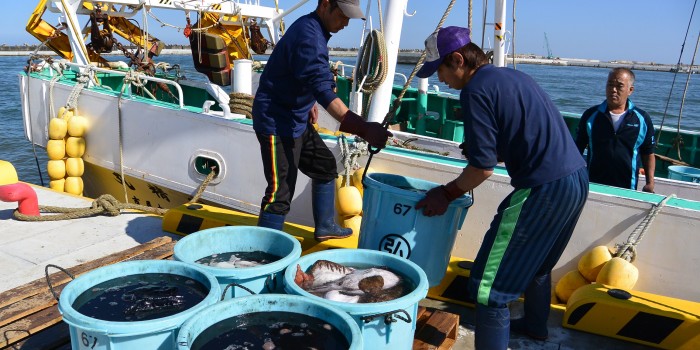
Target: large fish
{"x": 346, "y": 284}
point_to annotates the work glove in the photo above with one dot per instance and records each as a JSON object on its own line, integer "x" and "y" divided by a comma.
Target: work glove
{"x": 438, "y": 199}
{"x": 463, "y": 147}
{"x": 372, "y": 132}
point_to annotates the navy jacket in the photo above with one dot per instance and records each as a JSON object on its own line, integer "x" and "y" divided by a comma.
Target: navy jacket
{"x": 613, "y": 157}
{"x": 508, "y": 117}
{"x": 296, "y": 76}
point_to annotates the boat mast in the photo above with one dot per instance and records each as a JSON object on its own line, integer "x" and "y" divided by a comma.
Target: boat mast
{"x": 393, "y": 22}
{"x": 499, "y": 31}
{"x": 77, "y": 44}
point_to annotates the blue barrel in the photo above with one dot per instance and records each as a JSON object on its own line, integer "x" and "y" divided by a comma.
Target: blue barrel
{"x": 684, "y": 173}
{"x": 390, "y": 222}
{"x": 158, "y": 334}
{"x": 268, "y": 303}
{"x": 376, "y": 333}
{"x": 259, "y": 279}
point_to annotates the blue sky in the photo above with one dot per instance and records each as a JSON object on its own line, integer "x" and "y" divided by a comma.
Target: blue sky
{"x": 639, "y": 30}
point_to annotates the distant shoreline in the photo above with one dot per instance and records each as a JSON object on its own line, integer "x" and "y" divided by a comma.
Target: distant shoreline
{"x": 412, "y": 58}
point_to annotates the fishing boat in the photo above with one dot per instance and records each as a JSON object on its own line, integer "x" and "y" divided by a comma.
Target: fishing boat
{"x": 148, "y": 137}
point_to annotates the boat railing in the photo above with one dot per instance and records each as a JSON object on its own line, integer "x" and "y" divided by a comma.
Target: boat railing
{"x": 141, "y": 76}
{"x": 340, "y": 66}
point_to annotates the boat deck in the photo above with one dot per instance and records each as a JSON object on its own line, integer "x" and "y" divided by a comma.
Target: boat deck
{"x": 27, "y": 247}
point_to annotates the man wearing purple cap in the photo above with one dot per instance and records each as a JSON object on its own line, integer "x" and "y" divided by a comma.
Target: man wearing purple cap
{"x": 298, "y": 75}
{"x": 508, "y": 117}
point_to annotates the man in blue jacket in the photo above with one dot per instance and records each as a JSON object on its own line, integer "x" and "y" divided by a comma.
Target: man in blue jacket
{"x": 298, "y": 75}
{"x": 618, "y": 135}
{"x": 508, "y": 117}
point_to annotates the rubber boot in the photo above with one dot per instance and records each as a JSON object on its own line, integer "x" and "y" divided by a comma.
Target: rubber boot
{"x": 538, "y": 297}
{"x": 323, "y": 204}
{"x": 492, "y": 330}
{"x": 269, "y": 220}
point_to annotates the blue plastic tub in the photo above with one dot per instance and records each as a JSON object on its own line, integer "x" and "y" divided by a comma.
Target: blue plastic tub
{"x": 376, "y": 333}
{"x": 684, "y": 173}
{"x": 158, "y": 334}
{"x": 260, "y": 279}
{"x": 390, "y": 222}
{"x": 268, "y": 303}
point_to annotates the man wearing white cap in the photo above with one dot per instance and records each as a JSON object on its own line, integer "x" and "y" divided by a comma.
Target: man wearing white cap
{"x": 298, "y": 75}
{"x": 508, "y": 117}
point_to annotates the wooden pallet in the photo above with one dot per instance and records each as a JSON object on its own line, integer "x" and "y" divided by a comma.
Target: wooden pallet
{"x": 29, "y": 317}
{"x": 435, "y": 329}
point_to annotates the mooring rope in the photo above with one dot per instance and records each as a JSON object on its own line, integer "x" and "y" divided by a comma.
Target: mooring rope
{"x": 103, "y": 205}
{"x": 241, "y": 103}
{"x": 203, "y": 186}
{"x": 628, "y": 250}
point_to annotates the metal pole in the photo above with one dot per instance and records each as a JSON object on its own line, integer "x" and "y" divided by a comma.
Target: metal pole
{"x": 499, "y": 31}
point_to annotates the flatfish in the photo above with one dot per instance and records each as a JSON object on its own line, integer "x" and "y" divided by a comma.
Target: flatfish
{"x": 342, "y": 283}
{"x": 231, "y": 260}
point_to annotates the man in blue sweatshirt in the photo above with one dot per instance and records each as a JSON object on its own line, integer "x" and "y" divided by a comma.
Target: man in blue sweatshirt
{"x": 298, "y": 75}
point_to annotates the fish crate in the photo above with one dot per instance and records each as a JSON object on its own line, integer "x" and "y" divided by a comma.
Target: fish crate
{"x": 29, "y": 316}
{"x": 435, "y": 329}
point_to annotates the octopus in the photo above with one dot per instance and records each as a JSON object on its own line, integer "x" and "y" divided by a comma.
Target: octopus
{"x": 337, "y": 282}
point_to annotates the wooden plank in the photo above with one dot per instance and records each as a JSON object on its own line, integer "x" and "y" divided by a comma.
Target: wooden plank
{"x": 437, "y": 331}
{"x": 28, "y": 326}
{"x": 59, "y": 278}
{"x": 52, "y": 337}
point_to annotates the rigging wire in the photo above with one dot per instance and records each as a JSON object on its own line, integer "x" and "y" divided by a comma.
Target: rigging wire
{"x": 679, "y": 139}
{"x": 512, "y": 39}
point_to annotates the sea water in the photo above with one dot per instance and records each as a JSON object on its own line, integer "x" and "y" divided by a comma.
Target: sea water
{"x": 238, "y": 259}
{"x": 140, "y": 297}
{"x": 271, "y": 330}
{"x": 573, "y": 89}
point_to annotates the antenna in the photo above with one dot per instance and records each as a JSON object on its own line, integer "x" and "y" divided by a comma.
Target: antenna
{"x": 546, "y": 43}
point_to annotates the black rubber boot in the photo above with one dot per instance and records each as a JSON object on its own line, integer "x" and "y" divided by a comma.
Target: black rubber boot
{"x": 492, "y": 330}
{"x": 323, "y": 204}
{"x": 538, "y": 297}
{"x": 269, "y": 220}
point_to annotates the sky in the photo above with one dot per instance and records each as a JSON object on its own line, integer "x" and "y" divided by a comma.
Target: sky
{"x": 631, "y": 30}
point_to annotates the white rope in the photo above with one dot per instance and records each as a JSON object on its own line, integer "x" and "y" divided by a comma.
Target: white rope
{"x": 628, "y": 250}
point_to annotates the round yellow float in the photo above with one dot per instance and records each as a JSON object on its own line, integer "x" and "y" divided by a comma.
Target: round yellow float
{"x": 58, "y": 185}
{"x": 77, "y": 125}
{"x": 75, "y": 167}
{"x": 57, "y": 129}
{"x": 74, "y": 185}
{"x": 568, "y": 284}
{"x": 75, "y": 147}
{"x": 618, "y": 273}
{"x": 592, "y": 262}
{"x": 56, "y": 149}
{"x": 56, "y": 169}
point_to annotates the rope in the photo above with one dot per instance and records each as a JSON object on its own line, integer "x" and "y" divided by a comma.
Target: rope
{"x": 471, "y": 7}
{"x": 679, "y": 138}
{"x": 373, "y": 65}
{"x": 120, "y": 138}
{"x": 513, "y": 38}
{"x": 241, "y": 103}
{"x": 203, "y": 186}
{"x": 628, "y": 250}
{"x": 103, "y": 205}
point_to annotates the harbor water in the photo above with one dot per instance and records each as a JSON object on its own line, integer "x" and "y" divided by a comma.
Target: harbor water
{"x": 573, "y": 89}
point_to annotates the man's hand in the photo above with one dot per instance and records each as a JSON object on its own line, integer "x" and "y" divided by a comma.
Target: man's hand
{"x": 649, "y": 187}
{"x": 313, "y": 114}
{"x": 438, "y": 199}
{"x": 374, "y": 133}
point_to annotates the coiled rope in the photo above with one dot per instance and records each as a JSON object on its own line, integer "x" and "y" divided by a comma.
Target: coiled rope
{"x": 103, "y": 205}
{"x": 628, "y": 250}
{"x": 241, "y": 103}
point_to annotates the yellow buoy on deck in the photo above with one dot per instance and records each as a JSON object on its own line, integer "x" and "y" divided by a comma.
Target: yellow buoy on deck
{"x": 618, "y": 273}
{"x": 592, "y": 262}
{"x": 570, "y": 282}
{"x": 8, "y": 174}
{"x": 349, "y": 201}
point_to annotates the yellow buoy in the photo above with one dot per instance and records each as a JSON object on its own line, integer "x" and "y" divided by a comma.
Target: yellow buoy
{"x": 75, "y": 166}
{"x": 58, "y": 185}
{"x": 56, "y": 149}
{"x": 75, "y": 147}
{"x": 64, "y": 113}
{"x": 357, "y": 178}
{"x": 74, "y": 185}
{"x": 349, "y": 201}
{"x": 590, "y": 263}
{"x": 57, "y": 129}
{"x": 618, "y": 273}
{"x": 77, "y": 125}
{"x": 56, "y": 169}
{"x": 8, "y": 174}
{"x": 570, "y": 282}
{"x": 353, "y": 222}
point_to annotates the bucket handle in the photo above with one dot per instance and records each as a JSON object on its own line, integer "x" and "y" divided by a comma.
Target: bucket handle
{"x": 234, "y": 284}
{"x": 388, "y": 317}
{"x": 48, "y": 280}
{"x": 271, "y": 279}
{"x": 471, "y": 202}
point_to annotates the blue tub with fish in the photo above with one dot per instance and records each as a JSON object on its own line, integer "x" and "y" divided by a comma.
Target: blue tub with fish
{"x": 135, "y": 304}
{"x": 390, "y": 222}
{"x": 242, "y": 276}
{"x": 271, "y": 321}
{"x": 349, "y": 277}
{"x": 684, "y": 173}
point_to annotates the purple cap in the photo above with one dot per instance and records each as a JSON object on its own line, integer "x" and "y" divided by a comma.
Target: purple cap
{"x": 440, "y": 44}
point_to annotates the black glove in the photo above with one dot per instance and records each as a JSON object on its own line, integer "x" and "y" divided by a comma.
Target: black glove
{"x": 438, "y": 199}
{"x": 463, "y": 147}
{"x": 372, "y": 132}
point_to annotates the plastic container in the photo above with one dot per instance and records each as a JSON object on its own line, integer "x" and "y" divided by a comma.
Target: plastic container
{"x": 91, "y": 333}
{"x": 390, "y": 222}
{"x": 684, "y": 173}
{"x": 377, "y": 334}
{"x": 268, "y": 303}
{"x": 259, "y": 279}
